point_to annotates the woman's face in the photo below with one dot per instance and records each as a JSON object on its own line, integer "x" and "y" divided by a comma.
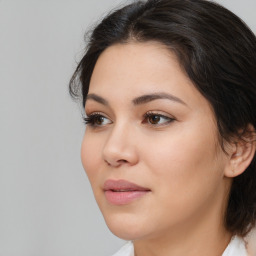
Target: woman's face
{"x": 151, "y": 149}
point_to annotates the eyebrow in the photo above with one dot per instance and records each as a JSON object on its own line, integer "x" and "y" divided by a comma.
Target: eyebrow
{"x": 139, "y": 100}
{"x": 97, "y": 98}
{"x": 155, "y": 96}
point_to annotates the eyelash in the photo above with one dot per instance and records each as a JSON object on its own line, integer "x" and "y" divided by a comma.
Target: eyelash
{"x": 91, "y": 119}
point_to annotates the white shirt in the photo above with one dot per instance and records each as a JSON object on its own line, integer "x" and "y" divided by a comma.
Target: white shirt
{"x": 236, "y": 247}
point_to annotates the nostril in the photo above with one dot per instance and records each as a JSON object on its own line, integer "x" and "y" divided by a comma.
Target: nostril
{"x": 122, "y": 161}
{"x": 115, "y": 163}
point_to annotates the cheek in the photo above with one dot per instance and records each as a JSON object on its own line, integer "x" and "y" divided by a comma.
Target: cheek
{"x": 90, "y": 156}
{"x": 185, "y": 166}
{"x": 180, "y": 151}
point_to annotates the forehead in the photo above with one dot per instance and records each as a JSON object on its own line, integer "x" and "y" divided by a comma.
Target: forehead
{"x": 134, "y": 58}
{"x": 130, "y": 70}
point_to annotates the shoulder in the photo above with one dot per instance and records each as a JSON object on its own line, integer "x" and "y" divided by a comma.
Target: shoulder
{"x": 126, "y": 250}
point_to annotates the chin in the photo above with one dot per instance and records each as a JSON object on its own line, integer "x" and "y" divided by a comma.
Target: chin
{"x": 127, "y": 234}
{"x": 125, "y": 227}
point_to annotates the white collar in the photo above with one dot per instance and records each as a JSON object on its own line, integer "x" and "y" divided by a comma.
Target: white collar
{"x": 236, "y": 247}
{"x": 126, "y": 250}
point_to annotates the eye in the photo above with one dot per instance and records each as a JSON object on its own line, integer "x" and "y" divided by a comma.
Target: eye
{"x": 96, "y": 120}
{"x": 157, "y": 119}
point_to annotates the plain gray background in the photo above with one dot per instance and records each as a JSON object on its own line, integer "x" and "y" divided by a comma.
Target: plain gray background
{"x": 46, "y": 205}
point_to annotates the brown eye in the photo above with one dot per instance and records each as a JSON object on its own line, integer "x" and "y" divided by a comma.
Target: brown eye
{"x": 154, "y": 119}
{"x": 96, "y": 120}
{"x": 99, "y": 120}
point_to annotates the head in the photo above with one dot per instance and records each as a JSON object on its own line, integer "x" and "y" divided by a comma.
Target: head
{"x": 211, "y": 54}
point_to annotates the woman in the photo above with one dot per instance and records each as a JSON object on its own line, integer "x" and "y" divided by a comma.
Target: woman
{"x": 169, "y": 89}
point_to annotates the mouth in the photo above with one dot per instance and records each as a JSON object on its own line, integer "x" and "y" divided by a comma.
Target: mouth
{"x": 121, "y": 192}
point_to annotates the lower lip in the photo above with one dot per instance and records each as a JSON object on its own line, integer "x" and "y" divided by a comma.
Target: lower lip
{"x": 121, "y": 198}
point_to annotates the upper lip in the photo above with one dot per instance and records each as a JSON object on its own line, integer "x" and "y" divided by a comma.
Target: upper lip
{"x": 122, "y": 185}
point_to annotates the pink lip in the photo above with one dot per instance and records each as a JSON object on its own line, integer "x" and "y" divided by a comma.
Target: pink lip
{"x": 121, "y": 192}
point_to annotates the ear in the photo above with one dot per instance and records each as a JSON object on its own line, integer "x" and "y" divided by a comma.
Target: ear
{"x": 241, "y": 153}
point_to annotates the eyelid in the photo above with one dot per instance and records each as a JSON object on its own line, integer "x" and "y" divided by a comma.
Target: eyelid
{"x": 160, "y": 113}
{"x": 91, "y": 113}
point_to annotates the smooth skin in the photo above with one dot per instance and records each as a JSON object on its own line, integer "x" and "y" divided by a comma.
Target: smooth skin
{"x": 150, "y": 125}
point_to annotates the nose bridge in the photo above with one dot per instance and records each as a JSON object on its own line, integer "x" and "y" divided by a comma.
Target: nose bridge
{"x": 120, "y": 146}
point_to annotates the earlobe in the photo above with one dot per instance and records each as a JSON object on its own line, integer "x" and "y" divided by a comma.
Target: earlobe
{"x": 242, "y": 155}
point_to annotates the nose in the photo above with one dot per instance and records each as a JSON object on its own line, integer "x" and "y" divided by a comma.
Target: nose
{"x": 120, "y": 147}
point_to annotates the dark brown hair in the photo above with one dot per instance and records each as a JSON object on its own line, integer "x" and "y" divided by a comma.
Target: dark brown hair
{"x": 218, "y": 53}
